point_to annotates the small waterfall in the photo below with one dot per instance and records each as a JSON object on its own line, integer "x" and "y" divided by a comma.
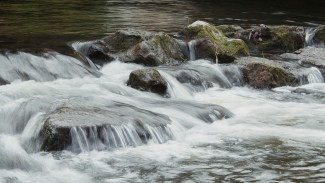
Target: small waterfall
{"x": 47, "y": 67}
{"x": 315, "y": 76}
{"x": 110, "y": 137}
{"x": 233, "y": 74}
{"x": 191, "y": 46}
{"x": 311, "y": 75}
{"x": 184, "y": 47}
{"x": 310, "y": 32}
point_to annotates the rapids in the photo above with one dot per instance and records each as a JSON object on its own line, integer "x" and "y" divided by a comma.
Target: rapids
{"x": 273, "y": 135}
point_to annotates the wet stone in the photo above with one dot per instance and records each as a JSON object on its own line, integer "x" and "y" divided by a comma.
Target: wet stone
{"x": 147, "y": 80}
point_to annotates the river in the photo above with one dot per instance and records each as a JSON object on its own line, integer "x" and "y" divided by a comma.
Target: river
{"x": 273, "y": 135}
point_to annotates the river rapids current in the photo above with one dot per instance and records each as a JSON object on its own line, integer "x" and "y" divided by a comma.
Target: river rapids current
{"x": 273, "y": 135}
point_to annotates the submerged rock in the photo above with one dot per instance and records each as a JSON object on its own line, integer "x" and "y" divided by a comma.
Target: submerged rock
{"x": 264, "y": 73}
{"x": 211, "y": 43}
{"x": 147, "y": 80}
{"x": 278, "y": 39}
{"x": 319, "y": 37}
{"x": 147, "y": 48}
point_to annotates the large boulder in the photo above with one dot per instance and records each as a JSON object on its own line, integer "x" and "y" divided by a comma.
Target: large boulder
{"x": 319, "y": 37}
{"x": 211, "y": 44}
{"x": 87, "y": 127}
{"x": 264, "y": 73}
{"x": 159, "y": 49}
{"x": 85, "y": 124}
{"x": 147, "y": 80}
{"x": 136, "y": 46}
{"x": 273, "y": 39}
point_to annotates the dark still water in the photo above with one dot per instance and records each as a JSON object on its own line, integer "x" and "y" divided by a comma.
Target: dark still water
{"x": 31, "y": 24}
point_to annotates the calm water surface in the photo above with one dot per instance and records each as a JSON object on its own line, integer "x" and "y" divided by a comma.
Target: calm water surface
{"x": 32, "y": 24}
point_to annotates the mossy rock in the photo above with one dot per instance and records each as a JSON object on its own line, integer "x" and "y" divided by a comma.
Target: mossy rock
{"x": 319, "y": 37}
{"x": 273, "y": 39}
{"x": 261, "y": 75}
{"x": 122, "y": 40}
{"x": 212, "y": 44}
{"x": 159, "y": 49}
{"x": 147, "y": 48}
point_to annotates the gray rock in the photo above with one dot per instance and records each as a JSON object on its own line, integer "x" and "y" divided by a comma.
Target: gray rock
{"x": 93, "y": 123}
{"x": 147, "y": 80}
{"x": 147, "y": 48}
{"x": 84, "y": 124}
{"x": 264, "y": 73}
{"x": 309, "y": 55}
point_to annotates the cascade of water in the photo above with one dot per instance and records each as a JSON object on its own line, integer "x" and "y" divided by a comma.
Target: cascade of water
{"x": 233, "y": 74}
{"x": 191, "y": 46}
{"x": 310, "y": 33}
{"x": 315, "y": 76}
{"x": 184, "y": 47}
{"x": 48, "y": 67}
{"x": 310, "y": 75}
{"x": 110, "y": 137}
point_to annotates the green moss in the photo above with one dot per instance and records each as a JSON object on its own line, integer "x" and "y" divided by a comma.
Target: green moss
{"x": 164, "y": 41}
{"x": 236, "y": 47}
{"x": 223, "y": 47}
{"x": 286, "y": 37}
{"x": 279, "y": 76}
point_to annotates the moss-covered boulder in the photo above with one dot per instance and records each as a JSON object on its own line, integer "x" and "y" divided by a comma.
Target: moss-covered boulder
{"x": 142, "y": 47}
{"x": 211, "y": 43}
{"x": 147, "y": 80}
{"x": 273, "y": 39}
{"x": 264, "y": 73}
{"x": 319, "y": 37}
{"x": 159, "y": 49}
{"x": 259, "y": 75}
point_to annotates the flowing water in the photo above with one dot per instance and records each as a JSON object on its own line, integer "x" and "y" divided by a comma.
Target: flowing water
{"x": 270, "y": 136}
{"x": 273, "y": 135}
